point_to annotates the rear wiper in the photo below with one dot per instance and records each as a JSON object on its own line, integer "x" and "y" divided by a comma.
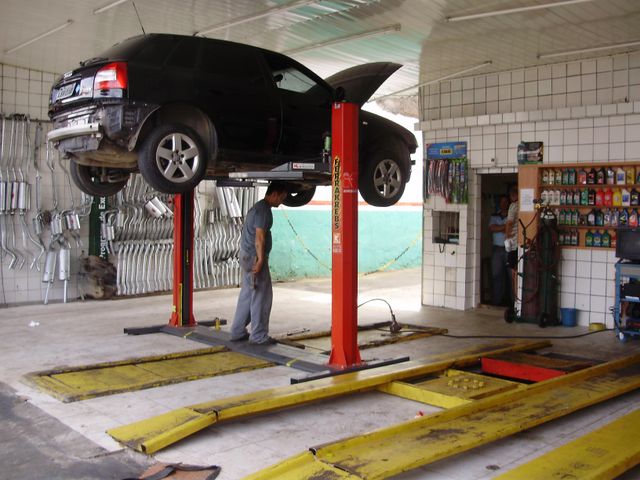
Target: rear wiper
{"x": 92, "y": 60}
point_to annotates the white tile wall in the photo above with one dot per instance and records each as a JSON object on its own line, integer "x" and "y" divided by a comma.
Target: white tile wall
{"x": 26, "y": 92}
{"x": 590, "y": 82}
{"x": 592, "y": 125}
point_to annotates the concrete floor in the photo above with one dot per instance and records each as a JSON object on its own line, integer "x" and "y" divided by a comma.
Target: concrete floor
{"x": 39, "y": 337}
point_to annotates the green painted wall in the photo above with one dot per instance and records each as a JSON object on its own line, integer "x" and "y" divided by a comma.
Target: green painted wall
{"x": 299, "y": 235}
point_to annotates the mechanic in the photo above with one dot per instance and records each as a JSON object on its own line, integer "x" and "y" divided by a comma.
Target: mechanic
{"x": 498, "y": 252}
{"x": 256, "y": 294}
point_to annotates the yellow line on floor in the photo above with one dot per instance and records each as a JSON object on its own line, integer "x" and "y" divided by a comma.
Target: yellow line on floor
{"x": 155, "y": 433}
{"x": 391, "y": 451}
{"x": 89, "y": 381}
{"x": 602, "y": 454}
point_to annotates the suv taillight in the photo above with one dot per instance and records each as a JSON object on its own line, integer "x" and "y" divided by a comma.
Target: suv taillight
{"x": 111, "y": 76}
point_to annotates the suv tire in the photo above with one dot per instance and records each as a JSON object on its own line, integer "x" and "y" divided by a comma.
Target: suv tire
{"x": 383, "y": 179}
{"x": 86, "y": 179}
{"x": 298, "y": 199}
{"x": 172, "y": 158}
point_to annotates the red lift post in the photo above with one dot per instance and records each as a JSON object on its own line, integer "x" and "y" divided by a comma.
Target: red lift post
{"x": 344, "y": 236}
{"x": 182, "y": 308}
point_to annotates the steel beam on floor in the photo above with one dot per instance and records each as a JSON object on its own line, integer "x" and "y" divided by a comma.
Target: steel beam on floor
{"x": 155, "y": 433}
{"x": 602, "y": 454}
{"x": 391, "y": 451}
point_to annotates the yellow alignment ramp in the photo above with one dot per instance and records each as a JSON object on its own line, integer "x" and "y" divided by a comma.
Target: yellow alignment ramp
{"x": 403, "y": 447}
{"x": 155, "y": 433}
{"x": 89, "y": 381}
{"x": 602, "y": 454}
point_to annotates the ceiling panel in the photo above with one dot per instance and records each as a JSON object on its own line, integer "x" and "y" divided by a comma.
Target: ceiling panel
{"x": 426, "y": 39}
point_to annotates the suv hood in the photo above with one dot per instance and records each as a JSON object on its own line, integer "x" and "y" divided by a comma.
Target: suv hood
{"x": 361, "y": 81}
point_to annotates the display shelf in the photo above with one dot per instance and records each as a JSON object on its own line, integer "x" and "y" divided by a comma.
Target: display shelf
{"x": 600, "y": 186}
{"x": 625, "y": 272}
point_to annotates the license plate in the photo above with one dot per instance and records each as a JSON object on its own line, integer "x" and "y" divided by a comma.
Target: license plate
{"x": 65, "y": 91}
{"x": 73, "y": 122}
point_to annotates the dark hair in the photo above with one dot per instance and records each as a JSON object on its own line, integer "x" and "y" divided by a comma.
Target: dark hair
{"x": 278, "y": 187}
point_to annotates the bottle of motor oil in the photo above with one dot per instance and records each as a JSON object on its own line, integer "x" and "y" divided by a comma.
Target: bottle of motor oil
{"x": 615, "y": 218}
{"x": 606, "y": 240}
{"x": 588, "y": 239}
{"x": 574, "y": 238}
{"x": 623, "y": 219}
{"x": 591, "y": 177}
{"x": 582, "y": 177}
{"x": 574, "y": 217}
{"x": 544, "y": 197}
{"x": 611, "y": 176}
{"x": 614, "y": 239}
{"x": 635, "y": 197}
{"x": 572, "y": 176}
{"x": 584, "y": 197}
{"x": 633, "y": 218}
{"x": 617, "y": 198}
{"x": 606, "y": 218}
{"x": 621, "y": 176}
{"x": 597, "y": 239}
{"x": 592, "y": 197}
{"x": 591, "y": 218}
{"x": 630, "y": 174}
{"x": 599, "y": 198}
{"x": 608, "y": 198}
{"x": 545, "y": 177}
{"x": 626, "y": 197}
{"x": 576, "y": 197}
{"x": 599, "y": 218}
{"x": 601, "y": 176}
{"x": 563, "y": 197}
{"x": 556, "y": 197}
{"x": 558, "y": 180}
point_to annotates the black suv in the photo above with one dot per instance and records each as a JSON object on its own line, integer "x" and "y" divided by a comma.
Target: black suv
{"x": 179, "y": 109}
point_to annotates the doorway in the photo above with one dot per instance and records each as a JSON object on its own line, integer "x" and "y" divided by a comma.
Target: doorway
{"x": 492, "y": 187}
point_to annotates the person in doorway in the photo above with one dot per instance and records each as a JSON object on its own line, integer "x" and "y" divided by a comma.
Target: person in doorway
{"x": 499, "y": 253}
{"x": 511, "y": 239}
{"x": 256, "y": 294}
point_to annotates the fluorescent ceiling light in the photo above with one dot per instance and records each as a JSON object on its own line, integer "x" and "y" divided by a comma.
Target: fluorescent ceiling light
{"x": 108, "y": 6}
{"x": 41, "y": 36}
{"x": 437, "y": 80}
{"x": 369, "y": 33}
{"x": 508, "y": 11}
{"x": 590, "y": 49}
{"x": 255, "y": 16}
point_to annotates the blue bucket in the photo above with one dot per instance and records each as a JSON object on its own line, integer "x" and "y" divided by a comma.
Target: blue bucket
{"x": 568, "y": 317}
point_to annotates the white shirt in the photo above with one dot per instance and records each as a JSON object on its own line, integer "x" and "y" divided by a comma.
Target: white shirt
{"x": 512, "y": 216}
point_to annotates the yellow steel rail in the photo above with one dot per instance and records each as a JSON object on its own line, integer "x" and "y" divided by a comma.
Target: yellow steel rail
{"x": 107, "y": 378}
{"x": 158, "y": 432}
{"x": 602, "y": 454}
{"x": 424, "y": 440}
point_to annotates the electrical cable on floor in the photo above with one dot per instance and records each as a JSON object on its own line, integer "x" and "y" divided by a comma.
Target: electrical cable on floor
{"x": 544, "y": 337}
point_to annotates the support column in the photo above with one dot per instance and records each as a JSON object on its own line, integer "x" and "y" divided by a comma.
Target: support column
{"x": 344, "y": 233}
{"x": 182, "y": 309}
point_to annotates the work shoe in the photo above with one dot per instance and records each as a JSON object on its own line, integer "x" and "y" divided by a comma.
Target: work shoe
{"x": 267, "y": 341}
{"x": 240, "y": 339}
